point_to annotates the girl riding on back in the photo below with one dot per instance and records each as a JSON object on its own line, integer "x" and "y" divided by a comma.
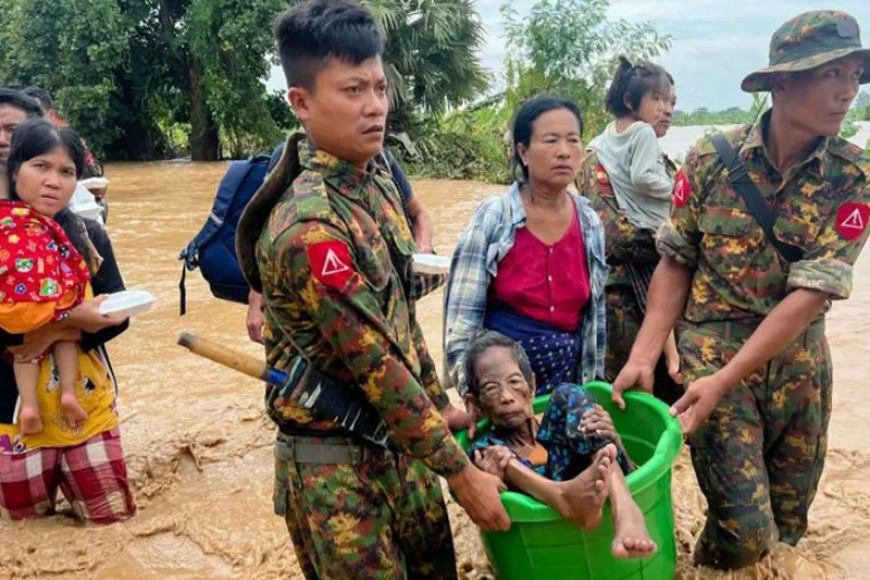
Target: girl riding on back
{"x": 629, "y": 153}
{"x": 629, "y": 150}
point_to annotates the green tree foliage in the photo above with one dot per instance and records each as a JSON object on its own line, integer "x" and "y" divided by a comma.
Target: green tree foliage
{"x": 71, "y": 48}
{"x": 229, "y": 39}
{"x": 464, "y": 144}
{"x": 131, "y": 75}
{"x": 701, "y": 116}
{"x": 142, "y": 78}
{"x": 731, "y": 116}
{"x": 760, "y": 104}
{"x": 564, "y": 47}
{"x": 569, "y": 47}
{"x": 862, "y": 106}
{"x": 432, "y": 50}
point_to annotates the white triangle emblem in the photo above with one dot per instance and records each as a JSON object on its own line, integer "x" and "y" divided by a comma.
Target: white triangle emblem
{"x": 854, "y": 221}
{"x": 680, "y": 191}
{"x": 332, "y": 265}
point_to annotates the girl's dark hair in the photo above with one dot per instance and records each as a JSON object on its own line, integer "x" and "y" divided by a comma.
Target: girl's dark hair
{"x": 632, "y": 82}
{"x": 37, "y": 136}
{"x": 524, "y": 122}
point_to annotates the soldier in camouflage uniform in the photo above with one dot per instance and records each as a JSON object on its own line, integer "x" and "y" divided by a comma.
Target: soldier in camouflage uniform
{"x": 625, "y": 243}
{"x": 755, "y": 359}
{"x": 326, "y": 241}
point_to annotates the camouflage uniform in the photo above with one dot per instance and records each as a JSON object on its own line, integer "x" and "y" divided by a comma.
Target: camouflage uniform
{"x": 759, "y": 456}
{"x": 335, "y": 263}
{"x": 623, "y": 243}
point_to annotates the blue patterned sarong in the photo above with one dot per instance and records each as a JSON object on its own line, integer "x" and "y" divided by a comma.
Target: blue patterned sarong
{"x": 552, "y": 352}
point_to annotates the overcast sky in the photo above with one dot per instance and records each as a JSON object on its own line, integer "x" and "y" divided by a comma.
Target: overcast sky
{"x": 715, "y": 42}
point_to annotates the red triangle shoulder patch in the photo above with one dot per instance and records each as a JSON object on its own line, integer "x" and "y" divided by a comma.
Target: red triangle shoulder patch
{"x": 331, "y": 263}
{"x": 852, "y": 219}
{"x": 682, "y": 189}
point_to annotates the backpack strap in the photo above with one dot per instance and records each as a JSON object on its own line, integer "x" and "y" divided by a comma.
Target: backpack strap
{"x": 257, "y": 212}
{"x": 760, "y": 210}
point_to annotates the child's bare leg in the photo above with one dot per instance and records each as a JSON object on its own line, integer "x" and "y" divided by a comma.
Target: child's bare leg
{"x": 631, "y": 539}
{"x": 580, "y": 499}
{"x": 26, "y": 378}
{"x": 66, "y": 357}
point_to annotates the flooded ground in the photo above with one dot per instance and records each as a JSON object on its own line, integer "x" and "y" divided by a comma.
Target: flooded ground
{"x": 199, "y": 447}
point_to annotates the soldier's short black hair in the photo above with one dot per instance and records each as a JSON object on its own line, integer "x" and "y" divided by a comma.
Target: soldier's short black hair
{"x": 310, "y": 34}
{"x": 632, "y": 82}
{"x": 484, "y": 341}
{"x": 21, "y": 101}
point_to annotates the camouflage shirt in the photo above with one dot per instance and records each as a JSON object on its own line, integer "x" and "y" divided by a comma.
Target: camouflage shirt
{"x": 624, "y": 242}
{"x": 822, "y": 206}
{"x": 335, "y": 263}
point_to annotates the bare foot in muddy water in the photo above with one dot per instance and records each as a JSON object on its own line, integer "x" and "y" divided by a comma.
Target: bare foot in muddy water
{"x": 582, "y": 498}
{"x": 73, "y": 413}
{"x": 29, "y": 420}
{"x": 631, "y": 540}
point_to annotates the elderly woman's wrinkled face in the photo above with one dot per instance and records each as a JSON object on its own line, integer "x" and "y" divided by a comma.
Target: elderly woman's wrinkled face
{"x": 503, "y": 393}
{"x": 553, "y": 154}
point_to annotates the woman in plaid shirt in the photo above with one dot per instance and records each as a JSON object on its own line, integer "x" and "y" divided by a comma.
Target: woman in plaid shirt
{"x": 531, "y": 264}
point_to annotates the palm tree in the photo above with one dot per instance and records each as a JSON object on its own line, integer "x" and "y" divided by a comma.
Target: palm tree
{"x": 431, "y": 55}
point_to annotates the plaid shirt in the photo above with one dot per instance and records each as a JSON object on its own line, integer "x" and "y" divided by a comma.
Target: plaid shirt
{"x": 484, "y": 243}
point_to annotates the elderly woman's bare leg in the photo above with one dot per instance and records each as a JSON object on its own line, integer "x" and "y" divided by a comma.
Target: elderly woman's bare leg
{"x": 579, "y": 500}
{"x": 631, "y": 539}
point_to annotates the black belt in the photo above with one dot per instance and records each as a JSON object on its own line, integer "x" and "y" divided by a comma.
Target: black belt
{"x": 330, "y": 451}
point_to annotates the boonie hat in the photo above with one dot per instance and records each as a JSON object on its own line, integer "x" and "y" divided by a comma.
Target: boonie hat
{"x": 808, "y": 41}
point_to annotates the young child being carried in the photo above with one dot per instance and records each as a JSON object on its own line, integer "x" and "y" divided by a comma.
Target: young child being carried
{"x": 42, "y": 278}
{"x": 628, "y": 150}
{"x": 573, "y": 460}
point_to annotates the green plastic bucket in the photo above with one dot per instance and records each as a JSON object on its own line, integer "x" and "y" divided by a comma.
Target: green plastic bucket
{"x": 542, "y": 545}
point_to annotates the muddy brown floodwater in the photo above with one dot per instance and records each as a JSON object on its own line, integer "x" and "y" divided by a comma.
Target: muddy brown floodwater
{"x": 198, "y": 444}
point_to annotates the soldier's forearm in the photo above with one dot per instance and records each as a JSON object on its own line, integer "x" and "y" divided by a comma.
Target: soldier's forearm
{"x": 778, "y": 329}
{"x": 667, "y": 298}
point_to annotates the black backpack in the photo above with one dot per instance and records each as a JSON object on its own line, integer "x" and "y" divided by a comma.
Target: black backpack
{"x": 213, "y": 250}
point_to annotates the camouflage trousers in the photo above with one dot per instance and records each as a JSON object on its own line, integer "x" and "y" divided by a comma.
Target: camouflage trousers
{"x": 760, "y": 455}
{"x": 382, "y": 517}
{"x": 624, "y": 318}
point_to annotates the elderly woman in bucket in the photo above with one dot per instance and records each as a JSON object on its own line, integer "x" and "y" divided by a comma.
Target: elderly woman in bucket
{"x": 573, "y": 460}
{"x": 531, "y": 264}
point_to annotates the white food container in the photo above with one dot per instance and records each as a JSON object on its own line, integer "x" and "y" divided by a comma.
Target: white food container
{"x": 431, "y": 264}
{"x": 127, "y": 303}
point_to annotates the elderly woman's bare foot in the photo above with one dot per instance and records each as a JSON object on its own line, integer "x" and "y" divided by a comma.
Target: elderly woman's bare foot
{"x": 583, "y": 497}
{"x": 631, "y": 540}
{"x": 29, "y": 420}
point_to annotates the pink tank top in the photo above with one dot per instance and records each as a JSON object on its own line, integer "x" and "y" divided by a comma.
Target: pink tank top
{"x": 546, "y": 282}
